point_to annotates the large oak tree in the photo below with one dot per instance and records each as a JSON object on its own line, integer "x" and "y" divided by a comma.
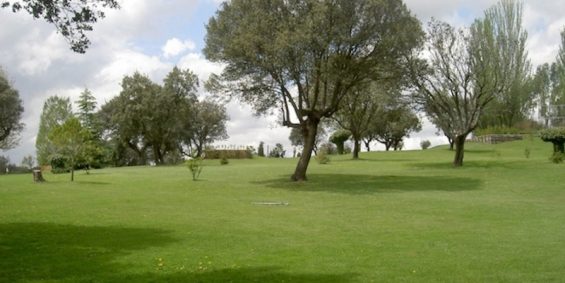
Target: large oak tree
{"x": 304, "y": 56}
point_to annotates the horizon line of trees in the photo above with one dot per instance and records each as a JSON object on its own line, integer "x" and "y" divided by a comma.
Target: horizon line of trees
{"x": 146, "y": 122}
{"x": 362, "y": 66}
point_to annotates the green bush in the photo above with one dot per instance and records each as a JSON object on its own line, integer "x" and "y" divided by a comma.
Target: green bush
{"x": 425, "y": 144}
{"x": 224, "y": 161}
{"x": 556, "y": 136}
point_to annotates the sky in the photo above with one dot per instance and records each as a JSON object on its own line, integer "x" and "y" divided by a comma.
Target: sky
{"x": 154, "y": 36}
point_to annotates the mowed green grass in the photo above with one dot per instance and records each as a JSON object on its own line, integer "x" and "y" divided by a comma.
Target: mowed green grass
{"x": 390, "y": 217}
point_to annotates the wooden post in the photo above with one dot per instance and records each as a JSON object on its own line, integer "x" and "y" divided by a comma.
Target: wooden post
{"x": 37, "y": 176}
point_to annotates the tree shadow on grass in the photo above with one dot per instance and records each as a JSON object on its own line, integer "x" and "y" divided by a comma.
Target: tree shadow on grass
{"x": 371, "y": 184}
{"x": 44, "y": 251}
{"x": 244, "y": 275}
{"x": 54, "y": 252}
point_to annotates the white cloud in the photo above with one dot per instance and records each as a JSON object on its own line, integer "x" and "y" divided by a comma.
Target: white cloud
{"x": 175, "y": 46}
{"x": 199, "y": 65}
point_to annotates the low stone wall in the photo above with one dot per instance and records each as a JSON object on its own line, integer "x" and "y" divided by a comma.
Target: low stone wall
{"x": 494, "y": 139}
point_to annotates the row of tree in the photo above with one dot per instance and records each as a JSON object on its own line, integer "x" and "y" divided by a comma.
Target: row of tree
{"x": 146, "y": 122}
{"x": 350, "y": 61}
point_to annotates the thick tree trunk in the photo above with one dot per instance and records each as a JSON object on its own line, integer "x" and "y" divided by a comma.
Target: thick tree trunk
{"x": 37, "y": 176}
{"x": 387, "y": 146}
{"x": 459, "y": 150}
{"x": 309, "y": 133}
{"x": 356, "y": 148}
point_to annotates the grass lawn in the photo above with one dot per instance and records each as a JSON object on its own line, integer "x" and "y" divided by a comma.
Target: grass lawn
{"x": 392, "y": 216}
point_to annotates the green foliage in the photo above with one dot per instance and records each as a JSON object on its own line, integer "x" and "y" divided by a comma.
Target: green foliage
{"x": 321, "y": 49}
{"x": 59, "y": 164}
{"x": 71, "y": 18}
{"x": 56, "y": 111}
{"x": 150, "y": 121}
{"x": 71, "y": 141}
{"x": 261, "y": 149}
{"x": 552, "y": 134}
{"x": 208, "y": 124}
{"x": 278, "y": 151}
{"x": 11, "y": 110}
{"x": 195, "y": 166}
{"x": 514, "y": 103}
{"x": 425, "y": 144}
{"x": 339, "y": 138}
{"x": 224, "y": 161}
{"x": 556, "y": 136}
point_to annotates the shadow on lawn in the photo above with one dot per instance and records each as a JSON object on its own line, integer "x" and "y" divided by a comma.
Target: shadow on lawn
{"x": 54, "y": 252}
{"x": 370, "y": 184}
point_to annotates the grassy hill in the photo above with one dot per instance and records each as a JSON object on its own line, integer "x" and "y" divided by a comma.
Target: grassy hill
{"x": 392, "y": 216}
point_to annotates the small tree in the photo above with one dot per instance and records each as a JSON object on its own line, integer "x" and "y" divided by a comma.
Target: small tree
{"x": 339, "y": 138}
{"x": 195, "y": 166}
{"x": 70, "y": 141}
{"x": 425, "y": 144}
{"x": 261, "y": 149}
{"x": 28, "y": 161}
{"x": 278, "y": 151}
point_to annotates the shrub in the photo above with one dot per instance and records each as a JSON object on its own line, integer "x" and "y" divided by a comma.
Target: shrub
{"x": 556, "y": 136}
{"x": 425, "y": 144}
{"x": 527, "y": 152}
{"x": 322, "y": 157}
{"x": 224, "y": 161}
{"x": 195, "y": 166}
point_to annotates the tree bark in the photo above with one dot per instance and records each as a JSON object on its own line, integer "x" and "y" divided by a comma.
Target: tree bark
{"x": 459, "y": 142}
{"x": 356, "y": 148}
{"x": 309, "y": 132}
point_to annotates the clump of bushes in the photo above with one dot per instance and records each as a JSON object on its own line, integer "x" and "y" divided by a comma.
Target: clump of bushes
{"x": 425, "y": 144}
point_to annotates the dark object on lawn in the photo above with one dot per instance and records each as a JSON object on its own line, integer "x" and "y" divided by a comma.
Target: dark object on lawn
{"x": 270, "y": 203}
{"x": 37, "y": 176}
